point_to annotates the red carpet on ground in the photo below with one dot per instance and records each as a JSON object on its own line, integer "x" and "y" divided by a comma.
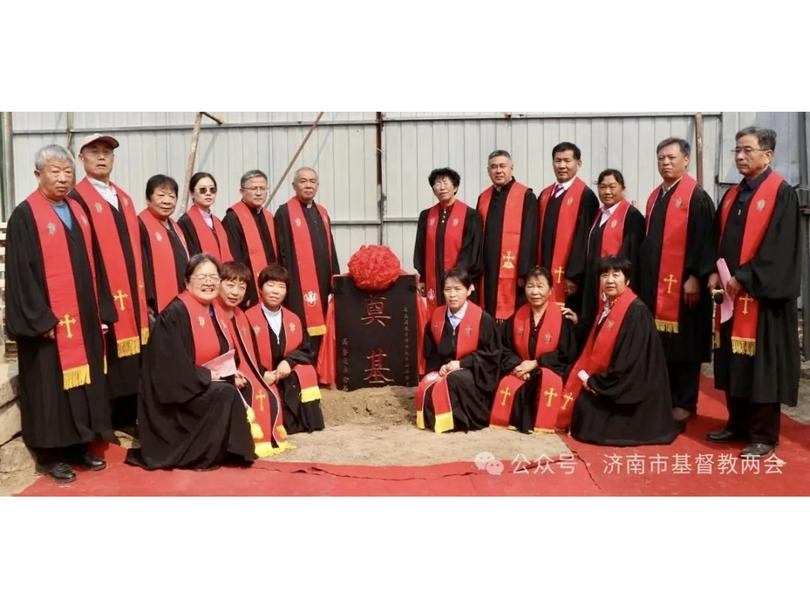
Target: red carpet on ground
{"x": 690, "y": 466}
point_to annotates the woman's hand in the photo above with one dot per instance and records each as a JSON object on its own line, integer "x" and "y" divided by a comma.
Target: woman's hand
{"x": 283, "y": 370}
{"x": 569, "y": 314}
{"x": 449, "y": 367}
{"x": 270, "y": 377}
{"x": 525, "y": 368}
{"x": 239, "y": 380}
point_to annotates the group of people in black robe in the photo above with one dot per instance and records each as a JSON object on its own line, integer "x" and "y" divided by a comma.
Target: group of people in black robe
{"x": 545, "y": 313}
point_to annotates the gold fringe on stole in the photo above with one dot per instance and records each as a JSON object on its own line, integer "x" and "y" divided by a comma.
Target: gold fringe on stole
{"x": 144, "y": 336}
{"x": 444, "y": 422}
{"x": 716, "y": 340}
{"x": 267, "y": 449}
{"x": 744, "y": 346}
{"x": 316, "y": 330}
{"x": 281, "y": 432}
{"x": 105, "y": 365}
{"x": 670, "y": 327}
{"x": 539, "y": 431}
{"x": 77, "y": 376}
{"x": 128, "y": 347}
{"x": 309, "y": 394}
{"x": 420, "y": 420}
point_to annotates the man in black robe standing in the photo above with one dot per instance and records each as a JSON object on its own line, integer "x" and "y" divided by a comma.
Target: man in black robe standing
{"x": 58, "y": 423}
{"x": 687, "y": 341}
{"x": 757, "y": 375}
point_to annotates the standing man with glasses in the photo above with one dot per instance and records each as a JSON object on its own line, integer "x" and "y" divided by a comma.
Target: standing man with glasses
{"x": 757, "y": 235}
{"x": 306, "y": 249}
{"x": 251, "y": 230}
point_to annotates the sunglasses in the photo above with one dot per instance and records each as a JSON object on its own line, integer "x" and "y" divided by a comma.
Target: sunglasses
{"x": 212, "y": 190}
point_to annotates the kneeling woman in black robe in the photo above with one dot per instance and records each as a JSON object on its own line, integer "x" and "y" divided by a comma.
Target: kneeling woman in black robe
{"x": 539, "y": 345}
{"x": 619, "y": 384}
{"x": 462, "y": 353}
{"x": 190, "y": 416}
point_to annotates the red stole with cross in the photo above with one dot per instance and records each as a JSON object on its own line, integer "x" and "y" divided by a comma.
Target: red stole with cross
{"x": 128, "y": 336}
{"x": 311, "y": 294}
{"x": 265, "y": 414}
{"x": 673, "y": 253}
{"x": 293, "y": 336}
{"x": 163, "y": 264}
{"x": 453, "y": 238}
{"x": 510, "y": 246}
{"x": 466, "y": 342}
{"x": 596, "y": 356}
{"x": 212, "y": 241}
{"x": 550, "y": 383}
{"x": 746, "y": 308}
{"x": 564, "y": 234}
{"x": 61, "y": 286}
{"x": 253, "y": 240}
{"x": 613, "y": 233}
{"x": 206, "y": 341}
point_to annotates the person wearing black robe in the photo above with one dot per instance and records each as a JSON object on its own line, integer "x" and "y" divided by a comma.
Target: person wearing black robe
{"x": 189, "y": 417}
{"x": 325, "y": 261}
{"x": 524, "y": 407}
{"x": 755, "y": 384}
{"x": 57, "y": 423}
{"x": 690, "y": 344}
{"x": 123, "y": 373}
{"x": 611, "y": 194}
{"x": 253, "y": 187}
{"x": 629, "y": 403}
{"x": 211, "y": 237}
{"x": 161, "y": 201}
{"x": 472, "y": 379}
{"x": 500, "y": 169}
{"x": 445, "y": 183}
{"x": 566, "y": 158}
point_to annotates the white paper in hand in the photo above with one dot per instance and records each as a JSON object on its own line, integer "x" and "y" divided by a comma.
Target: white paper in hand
{"x": 727, "y": 306}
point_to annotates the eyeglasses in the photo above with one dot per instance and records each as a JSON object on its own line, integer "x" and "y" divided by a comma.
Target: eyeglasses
{"x": 212, "y": 190}
{"x": 214, "y": 278}
{"x": 257, "y": 189}
{"x": 748, "y": 150}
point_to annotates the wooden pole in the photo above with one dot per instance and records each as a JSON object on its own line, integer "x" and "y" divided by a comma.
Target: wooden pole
{"x": 294, "y": 158}
{"x": 699, "y": 147}
{"x": 192, "y": 156}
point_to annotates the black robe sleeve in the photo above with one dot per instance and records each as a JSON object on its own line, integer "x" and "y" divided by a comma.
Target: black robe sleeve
{"x": 419, "y": 246}
{"x": 773, "y": 272}
{"x": 575, "y": 271}
{"x": 305, "y": 354}
{"x": 28, "y": 313}
{"x": 631, "y": 243}
{"x": 190, "y": 233}
{"x": 235, "y": 241}
{"x": 148, "y": 272}
{"x": 700, "y": 255}
{"x": 561, "y": 360}
{"x": 433, "y": 360}
{"x": 470, "y": 255}
{"x": 509, "y": 357}
{"x": 529, "y": 228}
{"x": 484, "y": 361}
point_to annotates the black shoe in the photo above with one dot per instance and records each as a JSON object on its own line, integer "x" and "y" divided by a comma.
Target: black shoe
{"x": 726, "y": 436}
{"x": 757, "y": 450}
{"x": 60, "y": 472}
{"x": 87, "y": 460}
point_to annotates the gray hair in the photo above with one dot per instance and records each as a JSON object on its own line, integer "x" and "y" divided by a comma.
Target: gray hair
{"x": 682, "y": 144}
{"x": 250, "y": 175}
{"x": 52, "y": 152}
{"x": 495, "y": 153}
{"x": 765, "y": 137}
{"x": 300, "y": 169}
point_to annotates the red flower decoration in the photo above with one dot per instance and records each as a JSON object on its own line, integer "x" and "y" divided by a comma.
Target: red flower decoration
{"x": 374, "y": 267}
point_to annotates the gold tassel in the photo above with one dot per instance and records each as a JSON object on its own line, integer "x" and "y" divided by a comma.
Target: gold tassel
{"x": 144, "y": 336}
{"x": 539, "y": 431}
{"x": 266, "y": 449}
{"x": 316, "y": 330}
{"x": 420, "y": 420}
{"x": 77, "y": 376}
{"x": 281, "y": 432}
{"x": 744, "y": 346}
{"x": 444, "y": 423}
{"x": 311, "y": 393}
{"x": 128, "y": 347}
{"x": 669, "y": 327}
{"x": 716, "y": 340}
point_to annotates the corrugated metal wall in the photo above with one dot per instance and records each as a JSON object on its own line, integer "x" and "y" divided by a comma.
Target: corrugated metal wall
{"x": 343, "y": 150}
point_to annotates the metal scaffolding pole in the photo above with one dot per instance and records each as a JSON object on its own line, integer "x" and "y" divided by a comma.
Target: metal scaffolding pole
{"x": 7, "y": 167}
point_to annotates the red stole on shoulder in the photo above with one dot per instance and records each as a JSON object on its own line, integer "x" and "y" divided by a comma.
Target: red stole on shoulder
{"x": 213, "y": 242}
{"x": 564, "y": 234}
{"x": 548, "y": 339}
{"x": 206, "y": 342}
{"x": 510, "y": 246}
{"x": 164, "y": 268}
{"x": 253, "y": 240}
{"x": 128, "y": 335}
{"x": 467, "y": 334}
{"x": 595, "y": 357}
{"x": 453, "y": 238}
{"x": 61, "y": 286}
{"x": 265, "y": 414}
{"x": 311, "y": 295}
{"x": 613, "y": 233}
{"x": 293, "y": 336}
{"x": 673, "y": 253}
{"x": 746, "y": 308}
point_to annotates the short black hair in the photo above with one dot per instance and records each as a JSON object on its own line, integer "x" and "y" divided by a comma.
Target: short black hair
{"x": 615, "y": 173}
{"x": 616, "y": 262}
{"x": 459, "y": 274}
{"x": 564, "y": 146}
{"x": 765, "y": 137}
{"x": 158, "y": 181}
{"x": 274, "y": 272}
{"x": 197, "y": 177}
{"x": 235, "y": 271}
{"x": 682, "y": 144}
{"x": 198, "y": 259}
{"x": 444, "y": 172}
{"x": 540, "y": 271}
